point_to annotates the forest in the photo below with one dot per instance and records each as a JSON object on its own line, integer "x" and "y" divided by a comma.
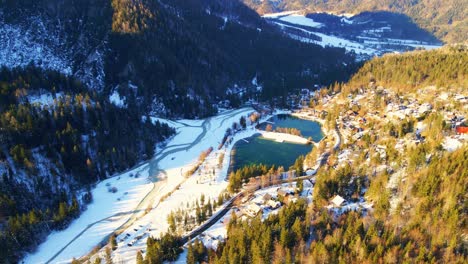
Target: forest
{"x": 52, "y": 150}
{"x": 431, "y": 233}
{"x": 446, "y": 67}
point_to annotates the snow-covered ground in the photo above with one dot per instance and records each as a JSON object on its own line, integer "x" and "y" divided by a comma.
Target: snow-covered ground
{"x": 117, "y": 100}
{"x": 106, "y": 213}
{"x": 368, "y": 43}
{"x": 453, "y": 143}
{"x": 301, "y": 20}
{"x": 125, "y": 209}
{"x": 45, "y": 99}
{"x": 329, "y": 40}
{"x": 185, "y": 190}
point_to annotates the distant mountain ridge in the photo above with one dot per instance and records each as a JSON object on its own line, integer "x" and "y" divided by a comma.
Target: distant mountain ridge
{"x": 447, "y": 19}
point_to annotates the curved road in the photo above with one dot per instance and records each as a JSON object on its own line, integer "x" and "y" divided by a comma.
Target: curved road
{"x": 154, "y": 171}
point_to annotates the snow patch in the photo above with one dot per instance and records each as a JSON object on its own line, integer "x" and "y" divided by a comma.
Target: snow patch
{"x": 276, "y": 15}
{"x": 281, "y": 137}
{"x": 22, "y": 45}
{"x": 117, "y": 100}
{"x": 301, "y": 20}
{"x": 451, "y": 144}
{"x": 46, "y": 99}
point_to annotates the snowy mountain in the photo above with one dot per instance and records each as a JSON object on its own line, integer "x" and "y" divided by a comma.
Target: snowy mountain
{"x": 52, "y": 42}
{"x": 168, "y": 49}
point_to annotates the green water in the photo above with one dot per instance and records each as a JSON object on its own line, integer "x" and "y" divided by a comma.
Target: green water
{"x": 308, "y": 128}
{"x": 269, "y": 152}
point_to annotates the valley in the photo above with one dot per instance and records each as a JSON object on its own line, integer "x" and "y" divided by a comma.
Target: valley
{"x": 365, "y": 34}
{"x": 233, "y": 131}
{"x": 133, "y": 206}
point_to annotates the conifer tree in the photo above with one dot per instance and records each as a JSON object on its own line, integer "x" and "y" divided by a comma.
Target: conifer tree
{"x": 113, "y": 242}
{"x": 190, "y": 254}
{"x": 139, "y": 258}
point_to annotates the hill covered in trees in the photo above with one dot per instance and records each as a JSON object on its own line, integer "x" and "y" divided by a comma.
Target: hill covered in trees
{"x": 60, "y": 131}
{"x": 444, "y": 68}
{"x": 57, "y": 138}
{"x": 446, "y": 19}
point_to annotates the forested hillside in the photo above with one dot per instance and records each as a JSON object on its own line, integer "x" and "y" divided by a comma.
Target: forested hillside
{"x": 57, "y": 138}
{"x": 192, "y": 51}
{"x": 446, "y": 19}
{"x": 446, "y": 67}
{"x": 177, "y": 57}
{"x": 66, "y": 62}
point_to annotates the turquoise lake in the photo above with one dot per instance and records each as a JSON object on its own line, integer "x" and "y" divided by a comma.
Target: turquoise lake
{"x": 255, "y": 150}
{"x": 308, "y": 128}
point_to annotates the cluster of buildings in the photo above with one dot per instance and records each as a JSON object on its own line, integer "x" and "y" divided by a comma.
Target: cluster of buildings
{"x": 270, "y": 200}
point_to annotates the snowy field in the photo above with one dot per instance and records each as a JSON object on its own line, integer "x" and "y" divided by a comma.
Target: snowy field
{"x": 280, "y": 14}
{"x": 105, "y": 214}
{"x": 185, "y": 190}
{"x": 332, "y": 41}
{"x": 371, "y": 42}
{"x": 281, "y": 137}
{"x": 301, "y": 20}
{"x": 125, "y": 209}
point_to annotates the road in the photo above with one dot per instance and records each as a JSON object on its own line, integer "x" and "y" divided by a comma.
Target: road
{"x": 229, "y": 206}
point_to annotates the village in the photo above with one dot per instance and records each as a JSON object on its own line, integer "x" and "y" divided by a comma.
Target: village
{"x": 350, "y": 132}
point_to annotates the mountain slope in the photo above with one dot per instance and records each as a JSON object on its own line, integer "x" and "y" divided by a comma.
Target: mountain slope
{"x": 446, "y": 67}
{"x": 181, "y": 55}
{"x": 367, "y": 34}
{"x": 446, "y": 19}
